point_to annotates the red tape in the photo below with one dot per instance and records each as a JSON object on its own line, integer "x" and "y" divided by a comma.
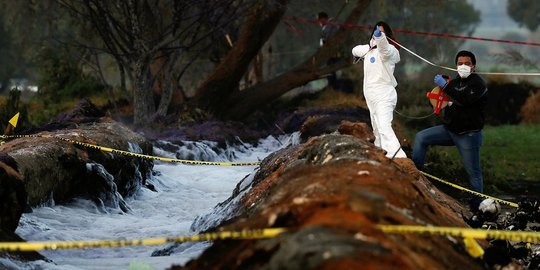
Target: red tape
{"x": 364, "y": 27}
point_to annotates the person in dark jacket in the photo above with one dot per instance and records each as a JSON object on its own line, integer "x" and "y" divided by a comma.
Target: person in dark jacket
{"x": 328, "y": 29}
{"x": 463, "y": 121}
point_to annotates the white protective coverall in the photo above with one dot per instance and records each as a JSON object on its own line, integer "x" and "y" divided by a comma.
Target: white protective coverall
{"x": 380, "y": 91}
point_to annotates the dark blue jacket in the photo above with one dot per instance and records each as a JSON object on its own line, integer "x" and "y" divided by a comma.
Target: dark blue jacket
{"x": 469, "y": 99}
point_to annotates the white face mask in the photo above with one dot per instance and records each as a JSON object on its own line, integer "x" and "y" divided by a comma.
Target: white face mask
{"x": 464, "y": 71}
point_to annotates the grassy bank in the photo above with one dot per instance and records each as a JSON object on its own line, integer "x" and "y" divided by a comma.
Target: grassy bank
{"x": 509, "y": 153}
{"x": 513, "y": 151}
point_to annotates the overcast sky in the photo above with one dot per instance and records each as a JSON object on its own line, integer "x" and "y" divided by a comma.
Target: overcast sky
{"x": 494, "y": 18}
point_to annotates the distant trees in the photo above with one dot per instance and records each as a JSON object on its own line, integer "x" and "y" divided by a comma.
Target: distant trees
{"x": 524, "y": 12}
{"x": 24, "y": 26}
{"x": 42, "y": 45}
{"x": 220, "y": 93}
{"x": 155, "y": 43}
{"x": 454, "y": 17}
{"x": 6, "y": 56}
{"x": 147, "y": 38}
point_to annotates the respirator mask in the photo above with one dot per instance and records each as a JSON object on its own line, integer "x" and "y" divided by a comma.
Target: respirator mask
{"x": 464, "y": 71}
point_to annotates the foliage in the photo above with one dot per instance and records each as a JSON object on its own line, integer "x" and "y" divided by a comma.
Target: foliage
{"x": 7, "y": 57}
{"x": 33, "y": 25}
{"x": 453, "y": 17}
{"x": 155, "y": 42}
{"x": 505, "y": 101}
{"x": 530, "y": 112}
{"x": 60, "y": 78}
{"x": 11, "y": 106}
{"x": 524, "y": 12}
{"x": 42, "y": 109}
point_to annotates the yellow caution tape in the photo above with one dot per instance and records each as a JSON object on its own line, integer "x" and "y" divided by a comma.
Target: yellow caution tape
{"x": 473, "y": 248}
{"x": 517, "y": 236}
{"x": 470, "y": 191}
{"x": 466, "y": 233}
{"x": 131, "y": 154}
{"x": 244, "y": 234}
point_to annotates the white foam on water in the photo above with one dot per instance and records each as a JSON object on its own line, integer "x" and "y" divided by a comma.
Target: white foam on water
{"x": 184, "y": 192}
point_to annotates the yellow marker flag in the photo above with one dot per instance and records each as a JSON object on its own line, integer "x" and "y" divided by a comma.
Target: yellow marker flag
{"x": 13, "y": 121}
{"x": 474, "y": 249}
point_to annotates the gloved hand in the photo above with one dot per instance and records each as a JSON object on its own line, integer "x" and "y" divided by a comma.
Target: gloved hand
{"x": 440, "y": 81}
{"x": 377, "y": 32}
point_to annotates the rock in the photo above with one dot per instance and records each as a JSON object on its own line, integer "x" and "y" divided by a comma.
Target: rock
{"x": 291, "y": 122}
{"x": 41, "y": 169}
{"x": 322, "y": 121}
{"x": 21, "y": 256}
{"x": 84, "y": 112}
{"x": 12, "y": 196}
{"x": 359, "y": 130}
{"x": 60, "y": 171}
{"x": 322, "y": 124}
{"x": 12, "y": 204}
{"x": 330, "y": 192}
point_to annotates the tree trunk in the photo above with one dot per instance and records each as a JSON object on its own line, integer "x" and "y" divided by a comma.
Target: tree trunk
{"x": 123, "y": 87}
{"x": 260, "y": 24}
{"x": 219, "y": 93}
{"x": 165, "y": 83}
{"x": 252, "y": 98}
{"x": 143, "y": 100}
{"x": 244, "y": 102}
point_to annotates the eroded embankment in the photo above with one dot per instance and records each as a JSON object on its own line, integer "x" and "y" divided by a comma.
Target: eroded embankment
{"x": 331, "y": 192}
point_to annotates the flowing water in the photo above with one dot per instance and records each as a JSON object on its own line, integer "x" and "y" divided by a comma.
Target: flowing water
{"x": 184, "y": 192}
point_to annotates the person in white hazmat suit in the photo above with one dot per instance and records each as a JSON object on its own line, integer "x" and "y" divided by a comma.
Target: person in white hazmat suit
{"x": 380, "y": 57}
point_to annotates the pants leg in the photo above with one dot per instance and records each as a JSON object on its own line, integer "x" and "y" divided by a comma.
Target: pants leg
{"x": 384, "y": 114}
{"x": 437, "y": 135}
{"x": 469, "y": 148}
{"x": 374, "y": 125}
{"x": 471, "y": 162}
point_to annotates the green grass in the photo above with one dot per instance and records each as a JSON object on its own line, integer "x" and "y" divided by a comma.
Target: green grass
{"x": 513, "y": 151}
{"x": 509, "y": 153}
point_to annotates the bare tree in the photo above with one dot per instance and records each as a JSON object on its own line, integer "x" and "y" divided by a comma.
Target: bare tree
{"x": 147, "y": 37}
{"x": 140, "y": 34}
{"x": 257, "y": 28}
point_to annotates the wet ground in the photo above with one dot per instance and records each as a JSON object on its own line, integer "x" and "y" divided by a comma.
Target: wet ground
{"x": 524, "y": 218}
